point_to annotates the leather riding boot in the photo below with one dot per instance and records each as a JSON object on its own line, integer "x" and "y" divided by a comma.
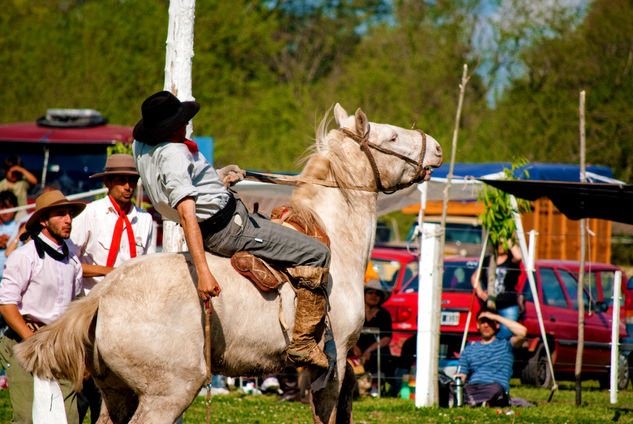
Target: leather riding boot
{"x": 309, "y": 317}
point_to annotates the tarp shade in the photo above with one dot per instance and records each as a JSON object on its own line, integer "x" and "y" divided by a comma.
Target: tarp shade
{"x": 576, "y": 200}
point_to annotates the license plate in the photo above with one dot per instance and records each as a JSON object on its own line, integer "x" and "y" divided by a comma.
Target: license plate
{"x": 450, "y": 318}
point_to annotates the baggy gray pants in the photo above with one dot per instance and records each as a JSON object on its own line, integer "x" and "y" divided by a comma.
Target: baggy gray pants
{"x": 267, "y": 240}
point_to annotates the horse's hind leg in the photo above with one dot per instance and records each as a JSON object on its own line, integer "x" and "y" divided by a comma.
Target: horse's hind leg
{"x": 119, "y": 400}
{"x": 160, "y": 409}
{"x": 118, "y": 406}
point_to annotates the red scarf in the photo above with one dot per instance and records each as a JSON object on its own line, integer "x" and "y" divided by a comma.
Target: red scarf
{"x": 193, "y": 147}
{"x": 116, "y": 236}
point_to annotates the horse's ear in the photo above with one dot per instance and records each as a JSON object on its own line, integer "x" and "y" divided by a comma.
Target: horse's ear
{"x": 362, "y": 123}
{"x": 340, "y": 114}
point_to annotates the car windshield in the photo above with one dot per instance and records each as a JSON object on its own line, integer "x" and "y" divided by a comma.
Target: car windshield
{"x": 389, "y": 270}
{"x": 456, "y": 278}
{"x": 463, "y": 233}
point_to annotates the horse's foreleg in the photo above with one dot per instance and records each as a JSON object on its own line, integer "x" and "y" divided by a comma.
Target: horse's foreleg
{"x": 346, "y": 394}
{"x": 325, "y": 402}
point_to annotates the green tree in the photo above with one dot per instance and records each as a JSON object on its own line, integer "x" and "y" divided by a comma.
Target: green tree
{"x": 538, "y": 116}
{"x": 498, "y": 221}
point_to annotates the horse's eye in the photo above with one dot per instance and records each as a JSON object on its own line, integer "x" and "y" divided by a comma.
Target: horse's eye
{"x": 394, "y": 137}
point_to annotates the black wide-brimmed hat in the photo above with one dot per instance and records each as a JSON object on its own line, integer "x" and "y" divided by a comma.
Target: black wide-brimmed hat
{"x": 162, "y": 114}
{"x": 118, "y": 164}
{"x": 48, "y": 201}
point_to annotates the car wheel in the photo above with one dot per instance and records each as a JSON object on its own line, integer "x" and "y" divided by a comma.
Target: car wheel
{"x": 623, "y": 375}
{"x": 537, "y": 372}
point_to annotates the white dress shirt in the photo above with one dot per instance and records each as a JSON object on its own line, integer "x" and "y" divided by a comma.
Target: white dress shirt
{"x": 170, "y": 173}
{"x": 92, "y": 231}
{"x": 40, "y": 288}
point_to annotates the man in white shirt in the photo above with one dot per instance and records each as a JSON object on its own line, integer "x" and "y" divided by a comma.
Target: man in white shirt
{"x": 112, "y": 230}
{"x": 40, "y": 280}
{"x": 109, "y": 232}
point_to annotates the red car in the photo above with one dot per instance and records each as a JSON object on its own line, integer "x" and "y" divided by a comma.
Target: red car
{"x": 557, "y": 289}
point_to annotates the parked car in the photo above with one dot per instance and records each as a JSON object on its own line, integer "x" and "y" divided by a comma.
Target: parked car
{"x": 557, "y": 290}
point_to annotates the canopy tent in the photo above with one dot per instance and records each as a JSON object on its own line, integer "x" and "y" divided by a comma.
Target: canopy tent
{"x": 465, "y": 184}
{"x": 576, "y": 200}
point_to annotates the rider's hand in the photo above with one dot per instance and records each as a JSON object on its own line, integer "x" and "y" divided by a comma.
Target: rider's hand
{"x": 231, "y": 174}
{"x": 207, "y": 286}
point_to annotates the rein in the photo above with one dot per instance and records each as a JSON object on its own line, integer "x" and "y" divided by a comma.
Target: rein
{"x": 365, "y": 145}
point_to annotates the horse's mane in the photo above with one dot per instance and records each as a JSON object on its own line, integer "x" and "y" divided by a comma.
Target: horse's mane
{"x": 324, "y": 160}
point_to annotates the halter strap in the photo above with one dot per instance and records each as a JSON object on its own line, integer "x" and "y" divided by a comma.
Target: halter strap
{"x": 365, "y": 145}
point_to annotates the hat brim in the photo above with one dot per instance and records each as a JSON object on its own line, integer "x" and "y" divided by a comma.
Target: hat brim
{"x": 33, "y": 224}
{"x": 144, "y": 133}
{"x": 101, "y": 174}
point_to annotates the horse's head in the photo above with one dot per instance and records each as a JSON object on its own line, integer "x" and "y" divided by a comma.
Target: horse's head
{"x": 398, "y": 157}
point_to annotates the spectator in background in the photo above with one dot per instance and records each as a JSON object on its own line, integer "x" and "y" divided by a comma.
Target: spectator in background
{"x": 366, "y": 348}
{"x": 486, "y": 366}
{"x": 506, "y": 279}
{"x": 107, "y": 233}
{"x": 18, "y": 180}
{"x": 8, "y": 225}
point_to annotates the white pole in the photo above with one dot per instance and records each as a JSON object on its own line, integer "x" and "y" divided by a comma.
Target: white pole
{"x": 615, "y": 337}
{"x": 530, "y": 275}
{"x": 178, "y": 56}
{"x": 429, "y": 302}
{"x": 532, "y": 251}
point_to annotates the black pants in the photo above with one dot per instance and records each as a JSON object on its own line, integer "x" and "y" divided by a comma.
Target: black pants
{"x": 89, "y": 397}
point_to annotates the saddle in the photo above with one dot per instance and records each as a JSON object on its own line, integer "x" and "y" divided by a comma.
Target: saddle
{"x": 268, "y": 277}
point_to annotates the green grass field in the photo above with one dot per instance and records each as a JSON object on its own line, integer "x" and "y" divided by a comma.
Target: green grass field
{"x": 264, "y": 409}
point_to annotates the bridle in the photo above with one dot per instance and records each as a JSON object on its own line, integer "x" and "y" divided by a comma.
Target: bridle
{"x": 365, "y": 145}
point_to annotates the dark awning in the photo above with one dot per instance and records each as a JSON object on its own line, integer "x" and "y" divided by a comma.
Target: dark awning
{"x": 576, "y": 200}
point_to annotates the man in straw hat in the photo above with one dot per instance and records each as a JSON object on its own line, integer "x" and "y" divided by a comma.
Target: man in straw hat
{"x": 40, "y": 279}
{"x": 107, "y": 233}
{"x": 185, "y": 188}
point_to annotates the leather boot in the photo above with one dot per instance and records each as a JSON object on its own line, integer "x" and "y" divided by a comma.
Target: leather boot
{"x": 309, "y": 317}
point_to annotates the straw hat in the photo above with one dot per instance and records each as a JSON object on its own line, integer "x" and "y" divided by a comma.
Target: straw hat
{"x": 375, "y": 284}
{"x": 118, "y": 164}
{"x": 48, "y": 201}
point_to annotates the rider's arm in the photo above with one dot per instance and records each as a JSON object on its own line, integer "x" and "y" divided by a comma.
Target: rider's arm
{"x": 207, "y": 284}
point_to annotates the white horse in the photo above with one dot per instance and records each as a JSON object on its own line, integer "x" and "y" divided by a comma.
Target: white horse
{"x": 140, "y": 331}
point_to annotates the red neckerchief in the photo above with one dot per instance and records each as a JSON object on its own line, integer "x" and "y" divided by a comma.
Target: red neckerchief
{"x": 116, "y": 236}
{"x": 193, "y": 147}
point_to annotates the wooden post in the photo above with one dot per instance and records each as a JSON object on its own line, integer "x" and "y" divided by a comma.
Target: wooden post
{"x": 178, "y": 57}
{"x": 581, "y": 271}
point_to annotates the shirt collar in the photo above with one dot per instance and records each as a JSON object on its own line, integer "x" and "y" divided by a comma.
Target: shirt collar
{"x": 131, "y": 214}
{"x": 50, "y": 242}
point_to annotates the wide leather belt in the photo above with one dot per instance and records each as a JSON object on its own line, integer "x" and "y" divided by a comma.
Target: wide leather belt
{"x": 220, "y": 219}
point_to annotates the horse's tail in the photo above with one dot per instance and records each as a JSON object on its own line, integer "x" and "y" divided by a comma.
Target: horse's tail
{"x": 59, "y": 350}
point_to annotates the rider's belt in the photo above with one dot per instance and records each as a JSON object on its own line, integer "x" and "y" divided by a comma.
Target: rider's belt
{"x": 220, "y": 219}
{"x": 33, "y": 325}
